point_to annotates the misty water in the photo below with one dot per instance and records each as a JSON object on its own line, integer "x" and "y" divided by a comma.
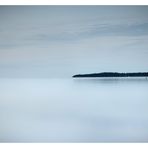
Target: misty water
{"x": 74, "y": 110}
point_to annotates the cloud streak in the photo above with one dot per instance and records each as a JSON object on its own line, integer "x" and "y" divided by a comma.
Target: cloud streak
{"x": 67, "y": 40}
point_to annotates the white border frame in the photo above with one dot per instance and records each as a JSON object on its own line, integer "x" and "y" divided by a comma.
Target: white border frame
{"x": 74, "y": 2}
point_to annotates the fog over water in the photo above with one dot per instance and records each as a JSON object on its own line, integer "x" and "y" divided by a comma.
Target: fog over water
{"x": 74, "y": 110}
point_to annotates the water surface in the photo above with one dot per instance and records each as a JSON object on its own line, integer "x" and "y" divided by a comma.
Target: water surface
{"x": 74, "y": 110}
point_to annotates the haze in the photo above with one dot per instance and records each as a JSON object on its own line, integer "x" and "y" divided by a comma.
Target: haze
{"x": 60, "y": 41}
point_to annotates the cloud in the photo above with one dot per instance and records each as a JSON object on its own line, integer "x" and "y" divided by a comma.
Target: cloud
{"x": 42, "y": 35}
{"x": 65, "y": 40}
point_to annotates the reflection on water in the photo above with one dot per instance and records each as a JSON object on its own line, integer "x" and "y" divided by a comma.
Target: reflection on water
{"x": 74, "y": 110}
{"x": 112, "y": 80}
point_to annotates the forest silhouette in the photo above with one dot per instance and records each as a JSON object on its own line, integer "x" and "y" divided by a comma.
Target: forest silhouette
{"x": 113, "y": 74}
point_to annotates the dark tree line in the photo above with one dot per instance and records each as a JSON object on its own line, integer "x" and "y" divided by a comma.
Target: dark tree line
{"x": 113, "y": 74}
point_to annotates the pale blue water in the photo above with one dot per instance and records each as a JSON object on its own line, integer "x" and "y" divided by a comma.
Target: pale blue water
{"x": 74, "y": 110}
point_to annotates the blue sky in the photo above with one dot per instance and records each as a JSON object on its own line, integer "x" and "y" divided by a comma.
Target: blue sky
{"x": 60, "y": 41}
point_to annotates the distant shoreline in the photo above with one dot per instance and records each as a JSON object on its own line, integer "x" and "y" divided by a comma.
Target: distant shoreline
{"x": 111, "y": 74}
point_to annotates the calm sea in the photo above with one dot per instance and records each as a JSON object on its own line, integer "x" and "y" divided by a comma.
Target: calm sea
{"x": 74, "y": 110}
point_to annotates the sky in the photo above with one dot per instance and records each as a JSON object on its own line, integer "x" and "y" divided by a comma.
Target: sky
{"x": 60, "y": 41}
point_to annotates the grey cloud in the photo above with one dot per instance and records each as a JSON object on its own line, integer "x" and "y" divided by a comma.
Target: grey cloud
{"x": 65, "y": 40}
